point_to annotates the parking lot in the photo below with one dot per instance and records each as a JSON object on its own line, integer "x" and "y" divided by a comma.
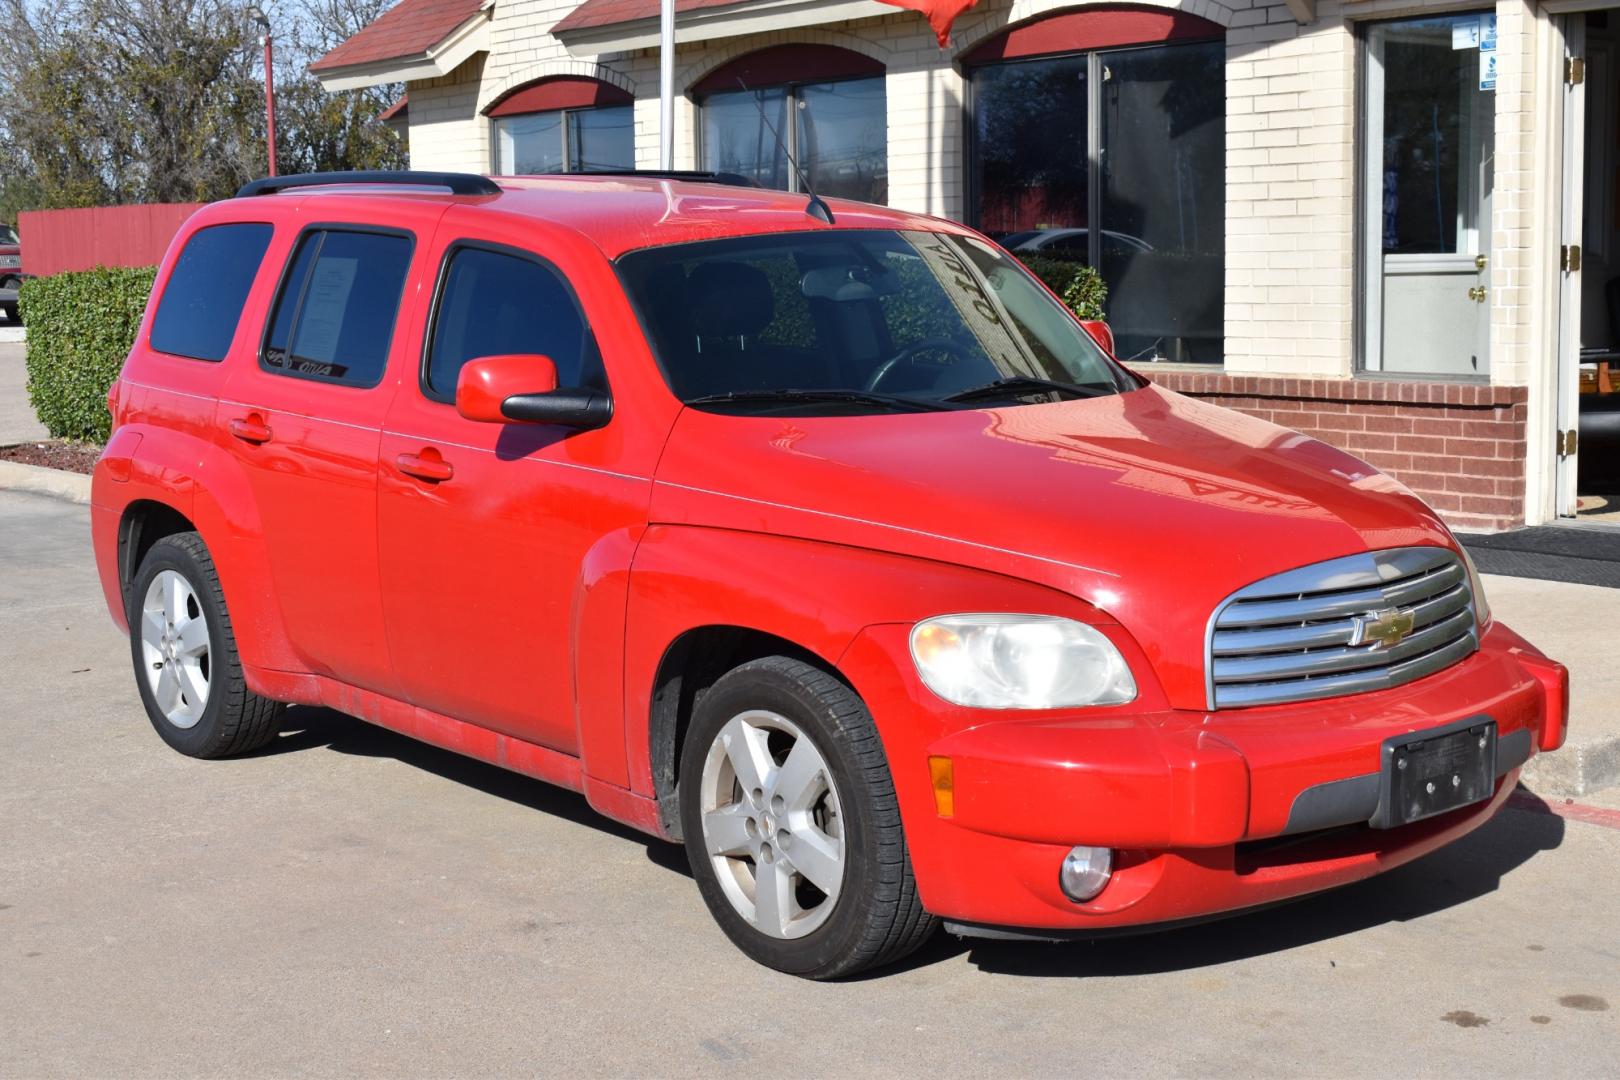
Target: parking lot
{"x": 350, "y": 902}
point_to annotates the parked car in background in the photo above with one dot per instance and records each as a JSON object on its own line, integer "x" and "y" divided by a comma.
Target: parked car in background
{"x": 830, "y": 545}
{"x": 11, "y": 270}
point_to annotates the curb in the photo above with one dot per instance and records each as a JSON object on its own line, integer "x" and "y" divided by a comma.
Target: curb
{"x": 37, "y": 480}
{"x": 1575, "y": 769}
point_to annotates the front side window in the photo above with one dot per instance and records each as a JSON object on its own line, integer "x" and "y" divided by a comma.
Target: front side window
{"x": 836, "y": 131}
{"x": 203, "y": 300}
{"x": 566, "y": 140}
{"x": 334, "y": 317}
{"x": 808, "y": 323}
{"x": 494, "y": 304}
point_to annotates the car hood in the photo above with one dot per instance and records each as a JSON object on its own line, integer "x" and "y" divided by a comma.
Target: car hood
{"x": 1151, "y": 506}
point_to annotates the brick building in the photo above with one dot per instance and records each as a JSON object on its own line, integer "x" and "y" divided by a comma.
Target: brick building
{"x": 1354, "y": 217}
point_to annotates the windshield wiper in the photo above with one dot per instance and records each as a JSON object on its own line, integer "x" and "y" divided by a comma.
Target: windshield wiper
{"x": 1021, "y": 384}
{"x": 861, "y": 397}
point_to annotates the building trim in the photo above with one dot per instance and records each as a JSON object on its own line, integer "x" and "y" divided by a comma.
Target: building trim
{"x": 457, "y": 47}
{"x": 707, "y": 24}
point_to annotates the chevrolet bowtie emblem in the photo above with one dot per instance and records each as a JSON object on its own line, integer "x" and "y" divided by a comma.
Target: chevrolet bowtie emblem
{"x": 1385, "y": 628}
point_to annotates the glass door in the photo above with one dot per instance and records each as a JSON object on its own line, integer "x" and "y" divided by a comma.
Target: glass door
{"x": 1428, "y": 129}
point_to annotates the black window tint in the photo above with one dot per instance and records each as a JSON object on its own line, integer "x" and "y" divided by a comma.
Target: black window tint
{"x": 494, "y": 304}
{"x": 335, "y": 316}
{"x": 203, "y": 300}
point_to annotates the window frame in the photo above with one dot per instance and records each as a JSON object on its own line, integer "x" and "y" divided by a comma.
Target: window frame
{"x": 441, "y": 282}
{"x": 567, "y": 139}
{"x": 281, "y": 287}
{"x": 791, "y": 137}
{"x": 168, "y": 281}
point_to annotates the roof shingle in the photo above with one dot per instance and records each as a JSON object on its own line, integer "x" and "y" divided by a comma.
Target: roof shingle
{"x": 409, "y": 28}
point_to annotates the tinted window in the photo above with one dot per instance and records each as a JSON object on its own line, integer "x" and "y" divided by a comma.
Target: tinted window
{"x": 334, "y": 318}
{"x": 203, "y": 300}
{"x": 494, "y": 304}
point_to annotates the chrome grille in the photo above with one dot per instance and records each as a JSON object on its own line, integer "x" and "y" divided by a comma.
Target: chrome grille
{"x": 1340, "y": 627}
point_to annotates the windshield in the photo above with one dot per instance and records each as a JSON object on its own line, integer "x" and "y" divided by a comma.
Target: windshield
{"x": 8, "y": 235}
{"x": 859, "y": 321}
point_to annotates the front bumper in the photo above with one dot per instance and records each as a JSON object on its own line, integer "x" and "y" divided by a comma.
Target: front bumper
{"x": 1208, "y": 812}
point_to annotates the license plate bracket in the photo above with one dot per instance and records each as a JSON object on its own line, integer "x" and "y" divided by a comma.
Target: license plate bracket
{"x": 1431, "y": 772}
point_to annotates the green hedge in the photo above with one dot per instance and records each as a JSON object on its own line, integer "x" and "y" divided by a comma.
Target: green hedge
{"x": 1076, "y": 284}
{"x": 80, "y": 328}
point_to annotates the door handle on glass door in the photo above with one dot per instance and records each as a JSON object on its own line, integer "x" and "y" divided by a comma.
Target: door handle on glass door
{"x": 251, "y": 428}
{"x": 429, "y": 465}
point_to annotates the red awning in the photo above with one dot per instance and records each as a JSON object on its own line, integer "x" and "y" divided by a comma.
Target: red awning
{"x": 595, "y": 13}
{"x": 559, "y": 92}
{"x": 409, "y": 28}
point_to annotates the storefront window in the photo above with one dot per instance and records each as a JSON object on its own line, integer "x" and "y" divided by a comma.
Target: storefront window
{"x": 839, "y": 136}
{"x": 1428, "y": 118}
{"x": 566, "y": 140}
{"x": 1132, "y": 140}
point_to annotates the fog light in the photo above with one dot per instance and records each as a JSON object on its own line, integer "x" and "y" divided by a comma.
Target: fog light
{"x": 1085, "y": 872}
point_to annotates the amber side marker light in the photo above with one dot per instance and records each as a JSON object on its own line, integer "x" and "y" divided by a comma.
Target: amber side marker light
{"x": 939, "y": 770}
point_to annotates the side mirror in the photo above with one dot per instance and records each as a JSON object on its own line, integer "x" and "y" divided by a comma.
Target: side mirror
{"x": 522, "y": 387}
{"x": 1100, "y": 333}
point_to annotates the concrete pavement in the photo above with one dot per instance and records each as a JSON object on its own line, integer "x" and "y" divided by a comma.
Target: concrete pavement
{"x": 17, "y": 420}
{"x": 350, "y": 902}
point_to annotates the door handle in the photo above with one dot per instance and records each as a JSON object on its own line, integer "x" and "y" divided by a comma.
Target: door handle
{"x": 251, "y": 429}
{"x": 427, "y": 465}
{"x": 1477, "y": 294}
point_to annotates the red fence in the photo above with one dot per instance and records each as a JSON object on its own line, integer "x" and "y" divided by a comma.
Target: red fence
{"x": 57, "y": 240}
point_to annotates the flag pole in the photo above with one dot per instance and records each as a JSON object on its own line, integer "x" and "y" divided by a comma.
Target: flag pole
{"x": 666, "y": 85}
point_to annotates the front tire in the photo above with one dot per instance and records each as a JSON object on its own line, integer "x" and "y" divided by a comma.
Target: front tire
{"x": 792, "y": 826}
{"x": 184, "y": 652}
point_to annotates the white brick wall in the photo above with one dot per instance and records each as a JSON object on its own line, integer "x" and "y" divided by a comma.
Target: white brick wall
{"x": 1290, "y": 160}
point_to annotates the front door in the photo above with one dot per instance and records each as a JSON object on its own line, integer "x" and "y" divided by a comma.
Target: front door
{"x": 487, "y": 529}
{"x": 1570, "y": 300}
{"x": 1428, "y": 125}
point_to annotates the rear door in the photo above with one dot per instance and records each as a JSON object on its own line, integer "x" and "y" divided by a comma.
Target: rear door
{"x": 305, "y": 420}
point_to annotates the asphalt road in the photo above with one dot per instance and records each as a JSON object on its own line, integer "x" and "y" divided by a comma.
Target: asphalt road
{"x": 350, "y": 902}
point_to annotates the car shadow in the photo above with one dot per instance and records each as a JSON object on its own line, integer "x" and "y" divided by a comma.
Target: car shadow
{"x": 1464, "y": 871}
{"x": 1461, "y": 872}
{"x": 310, "y": 728}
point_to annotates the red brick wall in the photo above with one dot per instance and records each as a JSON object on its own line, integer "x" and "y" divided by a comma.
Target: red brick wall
{"x": 1459, "y": 446}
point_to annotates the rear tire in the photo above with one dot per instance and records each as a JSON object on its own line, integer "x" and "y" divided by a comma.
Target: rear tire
{"x": 184, "y": 652}
{"x": 792, "y": 826}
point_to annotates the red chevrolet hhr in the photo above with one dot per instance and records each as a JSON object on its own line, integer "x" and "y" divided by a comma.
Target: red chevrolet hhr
{"x": 822, "y": 539}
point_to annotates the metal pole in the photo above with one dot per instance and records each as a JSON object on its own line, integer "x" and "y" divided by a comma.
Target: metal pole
{"x": 666, "y": 85}
{"x": 270, "y": 100}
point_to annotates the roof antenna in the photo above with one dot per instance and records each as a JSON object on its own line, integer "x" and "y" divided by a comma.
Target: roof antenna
{"x": 816, "y": 208}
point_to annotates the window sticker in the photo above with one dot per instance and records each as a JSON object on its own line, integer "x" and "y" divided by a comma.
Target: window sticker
{"x": 321, "y": 322}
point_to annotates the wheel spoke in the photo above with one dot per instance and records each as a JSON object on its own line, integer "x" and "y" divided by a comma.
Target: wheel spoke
{"x": 748, "y": 753}
{"x": 152, "y": 626}
{"x": 193, "y": 683}
{"x": 818, "y": 857}
{"x": 194, "y": 637}
{"x": 799, "y": 781}
{"x": 175, "y": 592}
{"x": 773, "y": 898}
{"x": 167, "y": 691}
{"x": 725, "y": 830}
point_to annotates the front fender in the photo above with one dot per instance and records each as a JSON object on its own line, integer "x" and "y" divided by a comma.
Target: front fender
{"x": 819, "y": 596}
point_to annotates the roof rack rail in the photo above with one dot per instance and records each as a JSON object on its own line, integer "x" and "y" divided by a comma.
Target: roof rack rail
{"x": 457, "y": 183}
{"x": 702, "y": 176}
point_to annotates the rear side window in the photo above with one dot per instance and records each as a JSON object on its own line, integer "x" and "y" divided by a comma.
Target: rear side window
{"x": 494, "y": 303}
{"x": 202, "y": 303}
{"x": 334, "y": 317}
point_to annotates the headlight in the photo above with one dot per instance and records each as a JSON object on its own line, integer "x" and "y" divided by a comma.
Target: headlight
{"x": 1482, "y": 609}
{"x": 1019, "y": 662}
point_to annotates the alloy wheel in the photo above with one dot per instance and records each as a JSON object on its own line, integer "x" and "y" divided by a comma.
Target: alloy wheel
{"x": 175, "y": 648}
{"x": 772, "y": 824}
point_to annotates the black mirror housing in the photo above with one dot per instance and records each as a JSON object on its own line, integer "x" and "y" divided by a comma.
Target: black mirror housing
{"x": 573, "y": 407}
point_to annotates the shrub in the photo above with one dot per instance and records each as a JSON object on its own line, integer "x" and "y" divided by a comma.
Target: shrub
{"x": 81, "y": 326}
{"x": 1077, "y": 285}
